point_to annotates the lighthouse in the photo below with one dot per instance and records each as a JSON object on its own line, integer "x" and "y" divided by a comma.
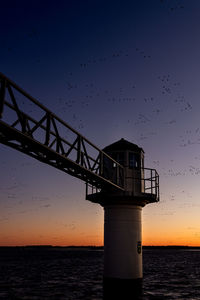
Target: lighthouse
{"x": 123, "y": 214}
{"x": 115, "y": 178}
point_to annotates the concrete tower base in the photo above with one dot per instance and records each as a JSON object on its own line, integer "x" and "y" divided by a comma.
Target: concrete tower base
{"x": 122, "y": 252}
{"x": 122, "y": 242}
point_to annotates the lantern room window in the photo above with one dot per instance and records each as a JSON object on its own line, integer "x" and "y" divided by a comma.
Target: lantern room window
{"x": 119, "y": 157}
{"x": 134, "y": 160}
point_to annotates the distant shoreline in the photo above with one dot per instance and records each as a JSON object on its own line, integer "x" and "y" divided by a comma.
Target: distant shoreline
{"x": 96, "y": 247}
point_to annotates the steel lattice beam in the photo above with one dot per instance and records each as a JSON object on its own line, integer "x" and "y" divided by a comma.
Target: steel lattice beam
{"x": 41, "y": 135}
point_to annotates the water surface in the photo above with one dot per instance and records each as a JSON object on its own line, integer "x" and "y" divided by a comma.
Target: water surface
{"x": 74, "y": 274}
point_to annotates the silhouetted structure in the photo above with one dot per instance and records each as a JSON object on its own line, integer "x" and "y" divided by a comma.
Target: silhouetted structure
{"x": 115, "y": 177}
{"x": 27, "y": 126}
{"x": 122, "y": 221}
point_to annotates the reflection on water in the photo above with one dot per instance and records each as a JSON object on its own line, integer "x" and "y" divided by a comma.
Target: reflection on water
{"x": 172, "y": 274}
{"x": 61, "y": 273}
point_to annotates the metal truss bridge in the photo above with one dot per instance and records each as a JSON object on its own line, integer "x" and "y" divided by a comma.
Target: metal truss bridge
{"x": 28, "y": 126}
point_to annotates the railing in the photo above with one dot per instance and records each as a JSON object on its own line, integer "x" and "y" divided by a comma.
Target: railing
{"x": 91, "y": 189}
{"x": 145, "y": 185}
{"x": 28, "y": 126}
{"x": 151, "y": 182}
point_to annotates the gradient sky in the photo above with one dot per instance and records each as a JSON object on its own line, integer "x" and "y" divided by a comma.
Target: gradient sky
{"x": 110, "y": 69}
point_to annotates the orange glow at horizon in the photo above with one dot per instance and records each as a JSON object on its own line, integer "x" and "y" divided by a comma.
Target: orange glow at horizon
{"x": 70, "y": 239}
{"x": 90, "y": 237}
{"x": 97, "y": 241}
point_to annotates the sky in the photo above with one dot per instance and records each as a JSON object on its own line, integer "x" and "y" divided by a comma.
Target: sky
{"x": 112, "y": 70}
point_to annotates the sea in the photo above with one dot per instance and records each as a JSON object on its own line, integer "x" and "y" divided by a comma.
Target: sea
{"x": 38, "y": 273}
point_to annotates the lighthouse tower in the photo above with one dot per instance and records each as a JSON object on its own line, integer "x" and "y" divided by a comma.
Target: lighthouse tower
{"x": 116, "y": 179}
{"x": 122, "y": 212}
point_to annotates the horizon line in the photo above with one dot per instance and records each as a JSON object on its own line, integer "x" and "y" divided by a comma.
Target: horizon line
{"x": 90, "y": 246}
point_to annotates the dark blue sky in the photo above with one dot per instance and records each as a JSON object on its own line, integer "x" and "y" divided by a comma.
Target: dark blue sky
{"x": 111, "y": 69}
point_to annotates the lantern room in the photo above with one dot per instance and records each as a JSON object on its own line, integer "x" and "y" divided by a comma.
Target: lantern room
{"x": 140, "y": 184}
{"x": 130, "y": 186}
{"x": 131, "y": 157}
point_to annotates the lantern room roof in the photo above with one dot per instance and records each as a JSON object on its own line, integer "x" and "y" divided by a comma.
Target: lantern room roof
{"x": 123, "y": 145}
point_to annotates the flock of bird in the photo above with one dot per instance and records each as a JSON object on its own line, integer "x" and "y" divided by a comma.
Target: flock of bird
{"x": 177, "y": 5}
{"x": 86, "y": 94}
{"x": 120, "y": 54}
{"x": 190, "y": 137}
{"x": 94, "y": 93}
{"x": 83, "y": 95}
